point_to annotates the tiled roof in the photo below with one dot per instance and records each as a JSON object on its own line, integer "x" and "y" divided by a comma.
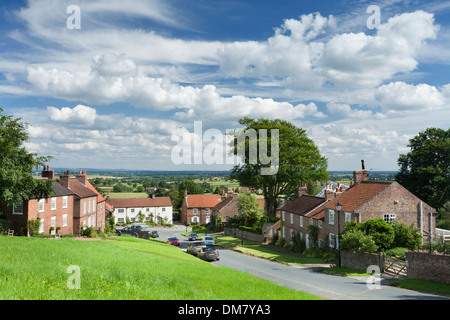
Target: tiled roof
{"x": 80, "y": 189}
{"x": 358, "y": 195}
{"x": 302, "y": 205}
{"x": 140, "y": 202}
{"x": 203, "y": 200}
{"x": 99, "y": 196}
{"x": 60, "y": 190}
{"x": 223, "y": 203}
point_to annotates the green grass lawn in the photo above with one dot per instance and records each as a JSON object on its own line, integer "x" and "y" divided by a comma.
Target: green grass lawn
{"x": 422, "y": 285}
{"x": 122, "y": 195}
{"x": 123, "y": 268}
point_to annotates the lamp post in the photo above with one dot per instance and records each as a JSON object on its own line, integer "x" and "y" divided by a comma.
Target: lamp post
{"x": 338, "y": 211}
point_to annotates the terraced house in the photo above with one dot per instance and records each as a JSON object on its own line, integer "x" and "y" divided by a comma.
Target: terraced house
{"x": 364, "y": 200}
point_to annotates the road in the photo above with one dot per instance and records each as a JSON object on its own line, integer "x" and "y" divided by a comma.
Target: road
{"x": 305, "y": 278}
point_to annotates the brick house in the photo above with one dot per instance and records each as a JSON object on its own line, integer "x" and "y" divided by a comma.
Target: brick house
{"x": 197, "y": 208}
{"x": 89, "y": 206}
{"x": 364, "y": 200}
{"x": 56, "y": 211}
{"x": 157, "y": 209}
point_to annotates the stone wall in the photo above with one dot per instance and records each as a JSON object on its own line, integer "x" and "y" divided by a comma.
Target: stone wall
{"x": 428, "y": 266}
{"x": 244, "y": 234}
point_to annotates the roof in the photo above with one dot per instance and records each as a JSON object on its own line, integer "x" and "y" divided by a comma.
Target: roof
{"x": 99, "y": 196}
{"x": 302, "y": 204}
{"x": 60, "y": 190}
{"x": 358, "y": 195}
{"x": 81, "y": 190}
{"x": 140, "y": 202}
{"x": 222, "y": 204}
{"x": 203, "y": 200}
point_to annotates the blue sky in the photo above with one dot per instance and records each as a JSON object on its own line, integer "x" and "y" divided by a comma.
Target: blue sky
{"x": 117, "y": 92}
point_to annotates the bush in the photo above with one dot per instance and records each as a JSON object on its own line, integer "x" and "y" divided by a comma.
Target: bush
{"x": 382, "y": 232}
{"x": 33, "y": 226}
{"x": 358, "y": 241}
{"x": 406, "y": 236}
{"x": 398, "y": 253}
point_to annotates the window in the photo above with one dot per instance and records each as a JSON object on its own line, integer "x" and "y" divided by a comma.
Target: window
{"x": 390, "y": 217}
{"x": 283, "y": 231}
{"x": 89, "y": 221}
{"x": 84, "y": 207}
{"x": 331, "y": 240}
{"x": 41, "y": 205}
{"x": 120, "y": 210}
{"x": 311, "y": 222}
{"x": 41, "y": 226}
{"x": 147, "y": 209}
{"x": 292, "y": 218}
{"x": 132, "y": 210}
{"x": 89, "y": 206}
{"x": 194, "y": 220}
{"x": 64, "y": 218}
{"x": 319, "y": 223}
{"x": 18, "y": 208}
{"x": 282, "y": 215}
{"x": 121, "y": 220}
{"x": 64, "y": 202}
{"x": 301, "y": 221}
{"x": 348, "y": 217}
{"x": 292, "y": 237}
{"x": 93, "y": 205}
{"x": 195, "y": 211}
{"x": 164, "y": 209}
{"x": 53, "y": 203}
{"x": 331, "y": 217}
{"x": 208, "y": 210}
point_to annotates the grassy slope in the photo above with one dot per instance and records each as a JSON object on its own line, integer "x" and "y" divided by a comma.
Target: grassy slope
{"x": 127, "y": 268}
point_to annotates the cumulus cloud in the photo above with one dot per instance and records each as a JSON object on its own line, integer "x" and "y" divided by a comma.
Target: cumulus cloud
{"x": 400, "y": 96}
{"x": 79, "y": 115}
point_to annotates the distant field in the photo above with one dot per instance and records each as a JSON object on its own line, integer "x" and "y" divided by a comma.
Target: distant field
{"x": 122, "y": 268}
{"x": 122, "y": 195}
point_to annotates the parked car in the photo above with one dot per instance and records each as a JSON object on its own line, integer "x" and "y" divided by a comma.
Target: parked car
{"x": 208, "y": 253}
{"x": 147, "y": 234}
{"x": 209, "y": 241}
{"x": 194, "y": 247}
{"x": 133, "y": 229}
{"x": 193, "y": 236}
{"x": 173, "y": 241}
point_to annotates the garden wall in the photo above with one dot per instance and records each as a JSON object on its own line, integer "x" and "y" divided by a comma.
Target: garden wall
{"x": 361, "y": 261}
{"x": 244, "y": 234}
{"x": 428, "y": 266}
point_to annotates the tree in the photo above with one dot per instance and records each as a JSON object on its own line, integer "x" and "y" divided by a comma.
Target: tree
{"x": 16, "y": 164}
{"x": 406, "y": 236}
{"x": 248, "y": 209}
{"x": 299, "y": 160}
{"x": 357, "y": 241}
{"x": 425, "y": 170}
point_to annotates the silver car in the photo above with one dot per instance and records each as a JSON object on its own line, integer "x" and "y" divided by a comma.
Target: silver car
{"x": 209, "y": 241}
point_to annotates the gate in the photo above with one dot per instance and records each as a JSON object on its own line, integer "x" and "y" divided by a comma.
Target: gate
{"x": 394, "y": 266}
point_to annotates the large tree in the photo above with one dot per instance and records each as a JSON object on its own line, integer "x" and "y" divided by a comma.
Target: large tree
{"x": 425, "y": 170}
{"x": 295, "y": 158}
{"x": 16, "y": 164}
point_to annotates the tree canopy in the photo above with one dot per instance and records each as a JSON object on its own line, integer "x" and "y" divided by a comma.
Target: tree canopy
{"x": 425, "y": 170}
{"x": 298, "y": 160}
{"x": 16, "y": 164}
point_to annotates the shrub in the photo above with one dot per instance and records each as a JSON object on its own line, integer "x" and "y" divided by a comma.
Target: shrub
{"x": 399, "y": 253}
{"x": 406, "y": 236}
{"x": 382, "y": 232}
{"x": 358, "y": 241}
{"x": 33, "y": 226}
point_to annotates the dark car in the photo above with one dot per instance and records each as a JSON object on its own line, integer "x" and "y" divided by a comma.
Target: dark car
{"x": 195, "y": 247}
{"x": 173, "y": 241}
{"x": 147, "y": 234}
{"x": 133, "y": 230}
{"x": 208, "y": 253}
{"x": 193, "y": 236}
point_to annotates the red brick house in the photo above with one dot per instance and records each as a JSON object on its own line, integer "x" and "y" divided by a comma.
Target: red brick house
{"x": 197, "y": 208}
{"x": 55, "y": 213}
{"x": 364, "y": 200}
{"x": 228, "y": 207}
{"x": 89, "y": 205}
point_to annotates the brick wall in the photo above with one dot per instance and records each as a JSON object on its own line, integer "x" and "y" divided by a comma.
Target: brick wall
{"x": 429, "y": 267}
{"x": 244, "y": 234}
{"x": 361, "y": 261}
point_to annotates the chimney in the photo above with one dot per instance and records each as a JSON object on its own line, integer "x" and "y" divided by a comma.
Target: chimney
{"x": 329, "y": 193}
{"x": 47, "y": 173}
{"x": 81, "y": 177}
{"x": 360, "y": 175}
{"x": 224, "y": 196}
{"x": 185, "y": 193}
{"x": 302, "y": 189}
{"x": 64, "y": 179}
{"x": 153, "y": 196}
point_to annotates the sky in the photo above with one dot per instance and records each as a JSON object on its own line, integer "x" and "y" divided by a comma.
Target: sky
{"x": 133, "y": 85}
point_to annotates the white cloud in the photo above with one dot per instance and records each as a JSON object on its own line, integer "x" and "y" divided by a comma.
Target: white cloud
{"x": 78, "y": 115}
{"x": 400, "y": 96}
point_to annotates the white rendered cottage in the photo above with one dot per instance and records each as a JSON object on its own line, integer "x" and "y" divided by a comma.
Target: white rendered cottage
{"x": 158, "y": 210}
